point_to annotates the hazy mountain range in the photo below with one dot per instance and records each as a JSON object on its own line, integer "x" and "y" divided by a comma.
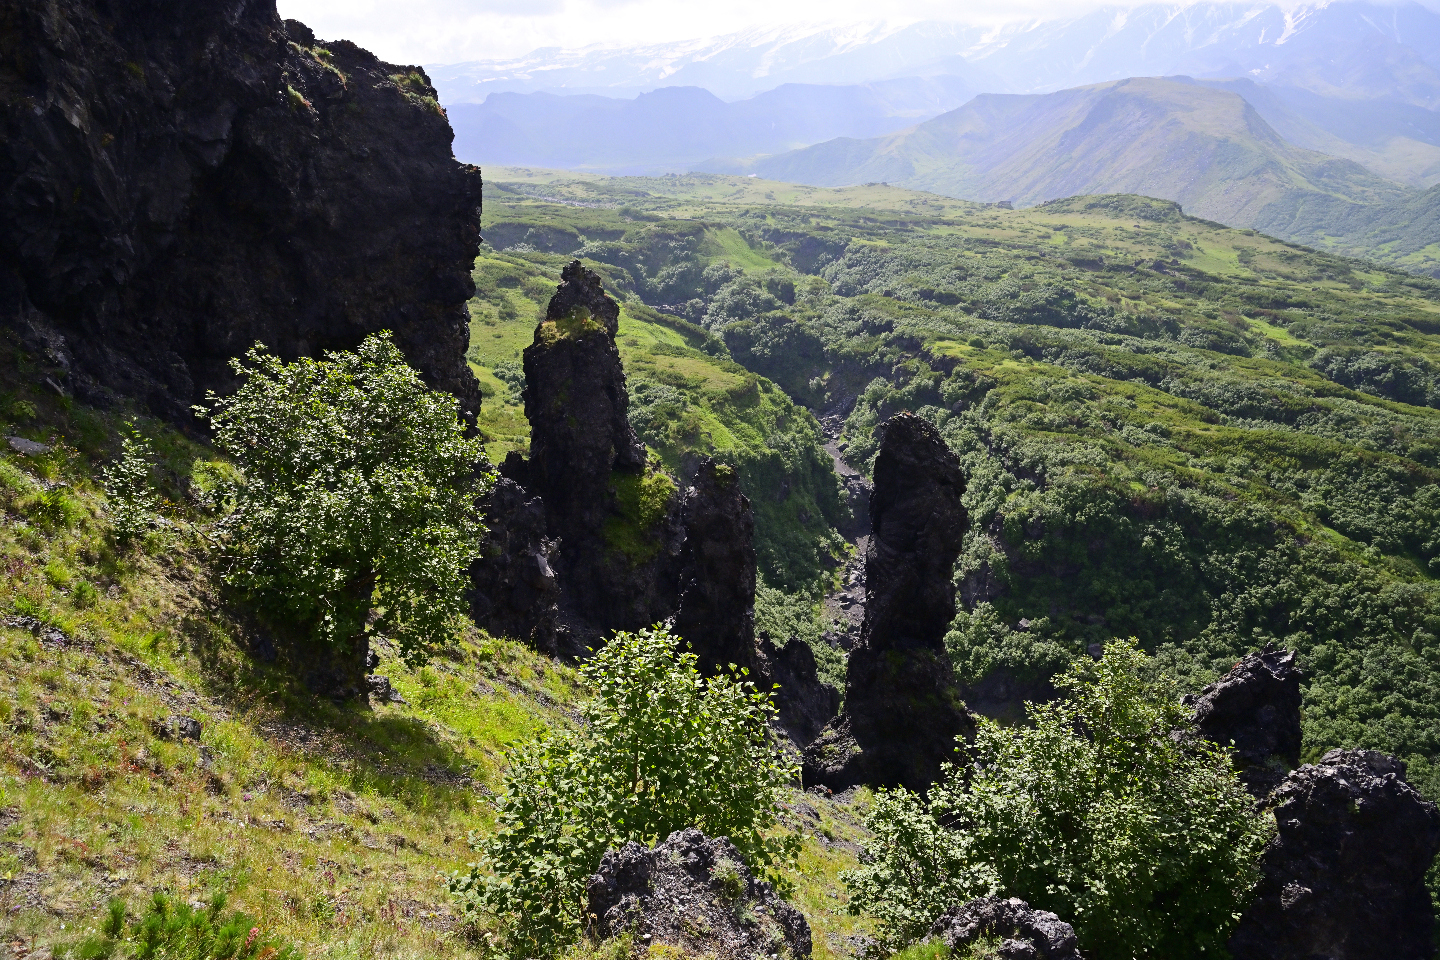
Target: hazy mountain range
{"x": 1319, "y": 123}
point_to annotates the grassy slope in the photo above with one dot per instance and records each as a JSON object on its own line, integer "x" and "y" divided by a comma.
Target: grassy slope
{"x": 333, "y": 826}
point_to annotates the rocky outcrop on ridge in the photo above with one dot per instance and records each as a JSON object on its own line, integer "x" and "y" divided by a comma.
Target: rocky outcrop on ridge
{"x": 1344, "y": 878}
{"x": 695, "y": 894}
{"x": 1255, "y": 711}
{"x": 180, "y": 179}
{"x": 716, "y": 614}
{"x": 803, "y": 704}
{"x": 1024, "y": 934}
{"x": 902, "y": 708}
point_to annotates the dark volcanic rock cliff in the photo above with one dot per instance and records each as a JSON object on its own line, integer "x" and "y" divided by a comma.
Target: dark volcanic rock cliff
{"x": 182, "y": 178}
{"x": 1344, "y": 879}
{"x": 1255, "y": 710}
{"x": 716, "y": 615}
{"x": 902, "y": 707}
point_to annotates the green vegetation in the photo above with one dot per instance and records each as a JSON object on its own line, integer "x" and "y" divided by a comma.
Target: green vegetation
{"x": 1094, "y": 810}
{"x": 661, "y": 749}
{"x": 1194, "y": 435}
{"x": 169, "y": 930}
{"x": 641, "y": 500}
{"x": 355, "y": 508}
{"x": 133, "y": 502}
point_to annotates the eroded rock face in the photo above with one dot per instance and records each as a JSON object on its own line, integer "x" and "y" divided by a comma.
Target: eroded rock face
{"x": 716, "y": 614}
{"x": 1255, "y": 710}
{"x": 1024, "y": 934}
{"x": 693, "y": 893}
{"x": 902, "y": 708}
{"x": 180, "y": 179}
{"x": 1344, "y": 879}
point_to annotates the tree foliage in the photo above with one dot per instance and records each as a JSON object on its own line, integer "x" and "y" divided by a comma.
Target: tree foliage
{"x": 132, "y": 497}
{"x": 356, "y": 503}
{"x": 661, "y": 748}
{"x": 1098, "y": 810}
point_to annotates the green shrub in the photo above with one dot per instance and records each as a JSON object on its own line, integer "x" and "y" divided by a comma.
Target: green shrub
{"x": 357, "y": 494}
{"x": 661, "y": 748}
{"x": 173, "y": 930}
{"x": 1145, "y": 841}
{"x": 133, "y": 501}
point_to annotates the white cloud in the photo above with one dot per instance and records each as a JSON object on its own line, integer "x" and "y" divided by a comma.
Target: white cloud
{"x": 448, "y": 31}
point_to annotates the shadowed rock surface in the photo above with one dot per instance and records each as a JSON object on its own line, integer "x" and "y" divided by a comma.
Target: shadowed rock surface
{"x": 716, "y": 615}
{"x": 1255, "y": 710}
{"x": 1025, "y": 934}
{"x": 803, "y": 703}
{"x": 902, "y": 708}
{"x": 1344, "y": 878}
{"x": 180, "y": 179}
{"x": 695, "y": 894}
{"x": 514, "y": 589}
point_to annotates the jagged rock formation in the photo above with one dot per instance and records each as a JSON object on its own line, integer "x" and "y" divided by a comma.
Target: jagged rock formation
{"x": 179, "y": 180}
{"x": 1344, "y": 879}
{"x": 514, "y": 590}
{"x": 1255, "y": 710}
{"x": 716, "y": 614}
{"x": 691, "y": 892}
{"x": 1025, "y": 934}
{"x": 617, "y": 520}
{"x": 804, "y": 704}
{"x": 902, "y": 708}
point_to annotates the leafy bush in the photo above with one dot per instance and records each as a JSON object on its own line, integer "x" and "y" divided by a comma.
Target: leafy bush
{"x": 357, "y": 494}
{"x": 661, "y": 748}
{"x": 133, "y": 501}
{"x": 1142, "y": 839}
{"x": 174, "y": 930}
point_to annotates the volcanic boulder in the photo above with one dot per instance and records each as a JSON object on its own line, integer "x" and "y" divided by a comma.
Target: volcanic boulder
{"x": 181, "y": 179}
{"x": 1344, "y": 878}
{"x": 1025, "y": 934}
{"x": 902, "y": 708}
{"x": 1255, "y": 710}
{"x": 694, "y": 894}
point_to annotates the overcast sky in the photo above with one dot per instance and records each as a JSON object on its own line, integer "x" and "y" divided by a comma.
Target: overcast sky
{"x": 447, "y": 31}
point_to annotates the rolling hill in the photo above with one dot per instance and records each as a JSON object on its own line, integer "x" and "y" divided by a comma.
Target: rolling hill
{"x": 1208, "y": 149}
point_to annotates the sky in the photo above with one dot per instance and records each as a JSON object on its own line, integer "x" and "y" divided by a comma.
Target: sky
{"x": 450, "y": 31}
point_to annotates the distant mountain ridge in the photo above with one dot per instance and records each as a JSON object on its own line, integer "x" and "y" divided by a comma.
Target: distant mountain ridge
{"x": 1202, "y": 146}
{"x": 1352, "y": 48}
{"x": 674, "y": 128}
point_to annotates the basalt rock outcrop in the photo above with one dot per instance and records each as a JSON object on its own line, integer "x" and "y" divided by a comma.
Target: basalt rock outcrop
{"x": 694, "y": 894}
{"x": 1344, "y": 878}
{"x": 716, "y": 614}
{"x": 902, "y": 708}
{"x": 616, "y": 518}
{"x": 182, "y": 178}
{"x": 1024, "y": 934}
{"x": 804, "y": 704}
{"x": 1255, "y": 711}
